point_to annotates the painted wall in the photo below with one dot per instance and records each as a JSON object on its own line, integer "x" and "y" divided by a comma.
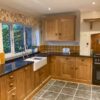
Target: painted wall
{"x": 85, "y": 32}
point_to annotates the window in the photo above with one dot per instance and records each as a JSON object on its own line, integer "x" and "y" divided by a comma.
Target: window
{"x": 18, "y": 37}
{"x": 6, "y": 37}
{"x": 28, "y": 34}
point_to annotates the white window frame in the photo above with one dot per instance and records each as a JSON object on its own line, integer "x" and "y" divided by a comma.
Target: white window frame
{"x": 13, "y": 55}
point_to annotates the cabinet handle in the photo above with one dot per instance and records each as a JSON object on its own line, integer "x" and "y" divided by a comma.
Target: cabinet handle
{"x": 67, "y": 58}
{"x": 82, "y": 60}
{"x": 11, "y": 84}
{"x": 56, "y": 34}
{"x": 11, "y": 77}
{"x": 76, "y": 68}
{"x": 60, "y": 34}
{"x": 72, "y": 68}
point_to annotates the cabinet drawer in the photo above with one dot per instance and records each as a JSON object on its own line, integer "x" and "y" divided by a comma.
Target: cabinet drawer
{"x": 12, "y": 95}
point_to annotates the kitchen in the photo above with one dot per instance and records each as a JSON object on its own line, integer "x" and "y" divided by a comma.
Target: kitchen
{"x": 49, "y": 52}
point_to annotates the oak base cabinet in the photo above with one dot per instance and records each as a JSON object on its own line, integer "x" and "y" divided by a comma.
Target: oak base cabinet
{"x": 55, "y": 67}
{"x": 12, "y": 95}
{"x": 84, "y": 69}
{"x": 77, "y": 69}
{"x": 68, "y": 68}
{"x": 19, "y": 84}
{"x": 3, "y": 88}
{"x": 41, "y": 74}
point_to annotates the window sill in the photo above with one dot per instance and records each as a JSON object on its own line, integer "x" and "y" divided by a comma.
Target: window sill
{"x": 11, "y": 56}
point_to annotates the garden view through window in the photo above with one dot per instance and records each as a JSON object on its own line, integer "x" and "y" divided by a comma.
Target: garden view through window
{"x": 6, "y": 38}
{"x": 18, "y": 37}
{"x": 28, "y": 32}
{"x": 21, "y": 36}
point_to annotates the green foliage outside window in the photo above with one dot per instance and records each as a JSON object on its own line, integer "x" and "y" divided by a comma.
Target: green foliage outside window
{"x": 18, "y": 37}
{"x": 6, "y": 38}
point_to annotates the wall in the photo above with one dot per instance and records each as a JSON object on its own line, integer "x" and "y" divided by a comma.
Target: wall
{"x": 11, "y": 17}
{"x": 85, "y": 32}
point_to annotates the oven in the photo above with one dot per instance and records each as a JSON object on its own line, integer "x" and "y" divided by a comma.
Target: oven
{"x": 96, "y": 69}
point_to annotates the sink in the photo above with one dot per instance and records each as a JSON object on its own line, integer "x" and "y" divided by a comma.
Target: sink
{"x": 39, "y": 62}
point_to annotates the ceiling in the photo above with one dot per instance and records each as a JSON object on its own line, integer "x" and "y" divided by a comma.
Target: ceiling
{"x": 40, "y": 7}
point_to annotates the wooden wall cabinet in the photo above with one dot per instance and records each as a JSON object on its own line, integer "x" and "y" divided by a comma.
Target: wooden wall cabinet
{"x": 51, "y": 29}
{"x": 59, "y": 28}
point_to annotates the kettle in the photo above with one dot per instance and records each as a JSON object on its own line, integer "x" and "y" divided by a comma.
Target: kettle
{"x": 66, "y": 50}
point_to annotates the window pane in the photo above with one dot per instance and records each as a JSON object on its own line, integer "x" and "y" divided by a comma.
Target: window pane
{"x": 6, "y": 37}
{"x": 28, "y": 32}
{"x": 18, "y": 37}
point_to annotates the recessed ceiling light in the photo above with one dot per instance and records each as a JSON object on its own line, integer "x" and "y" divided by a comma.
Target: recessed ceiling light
{"x": 49, "y": 8}
{"x": 93, "y": 3}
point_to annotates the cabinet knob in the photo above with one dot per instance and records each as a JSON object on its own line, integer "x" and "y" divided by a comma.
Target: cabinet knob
{"x": 72, "y": 68}
{"x": 26, "y": 68}
{"x": 60, "y": 34}
{"x": 11, "y": 77}
{"x": 82, "y": 60}
{"x": 11, "y": 84}
{"x": 67, "y": 58}
{"x": 56, "y": 34}
{"x": 76, "y": 68}
{"x": 13, "y": 94}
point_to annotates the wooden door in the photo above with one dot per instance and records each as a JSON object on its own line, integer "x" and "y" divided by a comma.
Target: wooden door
{"x": 36, "y": 78}
{"x": 55, "y": 67}
{"x": 68, "y": 68}
{"x": 32, "y": 78}
{"x": 50, "y": 28}
{"x": 20, "y": 84}
{"x": 3, "y": 88}
{"x": 66, "y": 28}
{"x": 83, "y": 69}
{"x": 28, "y": 81}
{"x": 95, "y": 43}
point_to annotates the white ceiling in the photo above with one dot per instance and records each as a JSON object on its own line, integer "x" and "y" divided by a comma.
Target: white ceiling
{"x": 40, "y": 7}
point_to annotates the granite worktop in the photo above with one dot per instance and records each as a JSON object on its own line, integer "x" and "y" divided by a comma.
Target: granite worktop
{"x": 16, "y": 64}
{"x": 11, "y": 66}
{"x": 61, "y": 54}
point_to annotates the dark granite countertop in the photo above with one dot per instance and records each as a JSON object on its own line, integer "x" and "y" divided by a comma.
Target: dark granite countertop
{"x": 18, "y": 63}
{"x": 9, "y": 67}
{"x": 61, "y": 54}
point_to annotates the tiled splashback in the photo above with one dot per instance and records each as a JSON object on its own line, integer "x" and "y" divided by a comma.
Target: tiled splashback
{"x": 56, "y": 48}
{"x": 7, "y": 16}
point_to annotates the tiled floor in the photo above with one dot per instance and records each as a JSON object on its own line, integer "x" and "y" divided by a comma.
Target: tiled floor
{"x": 63, "y": 90}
